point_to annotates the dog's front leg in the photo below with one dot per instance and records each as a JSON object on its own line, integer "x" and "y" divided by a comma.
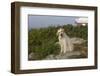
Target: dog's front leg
{"x": 62, "y": 49}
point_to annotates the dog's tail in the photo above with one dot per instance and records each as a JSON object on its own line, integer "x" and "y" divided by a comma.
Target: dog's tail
{"x": 77, "y": 40}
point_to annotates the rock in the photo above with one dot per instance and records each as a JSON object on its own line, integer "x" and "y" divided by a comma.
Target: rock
{"x": 67, "y": 55}
{"x": 31, "y": 56}
{"x": 77, "y": 40}
{"x": 50, "y": 57}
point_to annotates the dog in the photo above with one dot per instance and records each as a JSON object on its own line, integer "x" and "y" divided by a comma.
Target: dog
{"x": 64, "y": 41}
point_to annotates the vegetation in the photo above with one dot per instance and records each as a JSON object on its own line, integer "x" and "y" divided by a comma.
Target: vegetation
{"x": 42, "y": 41}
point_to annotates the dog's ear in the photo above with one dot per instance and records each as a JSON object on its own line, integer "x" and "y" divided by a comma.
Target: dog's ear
{"x": 57, "y": 33}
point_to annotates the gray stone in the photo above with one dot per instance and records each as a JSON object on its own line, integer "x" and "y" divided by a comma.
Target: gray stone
{"x": 67, "y": 55}
{"x": 31, "y": 56}
{"x": 77, "y": 40}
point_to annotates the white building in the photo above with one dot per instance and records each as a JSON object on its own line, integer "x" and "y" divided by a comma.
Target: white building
{"x": 81, "y": 21}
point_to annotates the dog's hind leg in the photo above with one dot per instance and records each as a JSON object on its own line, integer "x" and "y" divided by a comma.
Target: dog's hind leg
{"x": 70, "y": 46}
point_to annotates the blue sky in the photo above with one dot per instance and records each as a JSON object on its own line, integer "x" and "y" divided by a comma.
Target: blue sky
{"x": 37, "y": 21}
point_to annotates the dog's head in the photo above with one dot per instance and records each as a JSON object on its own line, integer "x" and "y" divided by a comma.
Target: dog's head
{"x": 60, "y": 32}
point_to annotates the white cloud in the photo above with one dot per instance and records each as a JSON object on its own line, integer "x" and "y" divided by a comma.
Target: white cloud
{"x": 81, "y": 20}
